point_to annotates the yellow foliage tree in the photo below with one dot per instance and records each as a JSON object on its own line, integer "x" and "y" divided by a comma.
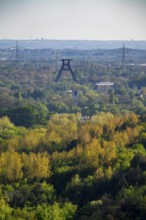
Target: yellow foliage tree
{"x": 36, "y": 165}
{"x": 5, "y": 123}
{"x": 11, "y": 165}
{"x": 90, "y": 154}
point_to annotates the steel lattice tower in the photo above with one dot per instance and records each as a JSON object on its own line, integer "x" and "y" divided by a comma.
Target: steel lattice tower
{"x": 17, "y": 50}
{"x": 123, "y": 59}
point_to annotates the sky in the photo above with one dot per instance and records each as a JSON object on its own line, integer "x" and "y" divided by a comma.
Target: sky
{"x": 73, "y": 19}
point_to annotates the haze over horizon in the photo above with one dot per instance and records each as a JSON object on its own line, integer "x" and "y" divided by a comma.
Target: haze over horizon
{"x": 73, "y": 20}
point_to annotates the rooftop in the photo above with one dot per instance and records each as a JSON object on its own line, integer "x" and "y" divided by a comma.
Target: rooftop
{"x": 104, "y": 84}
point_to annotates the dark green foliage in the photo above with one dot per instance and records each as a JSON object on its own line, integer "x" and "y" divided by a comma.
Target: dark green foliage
{"x": 28, "y": 115}
{"x": 23, "y": 116}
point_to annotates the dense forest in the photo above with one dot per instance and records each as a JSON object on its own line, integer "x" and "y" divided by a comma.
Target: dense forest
{"x": 64, "y": 157}
{"x": 73, "y": 168}
{"x": 28, "y": 87}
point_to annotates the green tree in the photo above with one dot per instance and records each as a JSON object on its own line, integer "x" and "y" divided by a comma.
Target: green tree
{"x": 5, "y": 123}
{"x": 5, "y": 210}
{"x": 23, "y": 116}
{"x": 56, "y": 211}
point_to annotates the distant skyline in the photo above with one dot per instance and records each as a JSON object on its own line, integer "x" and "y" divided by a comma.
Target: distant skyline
{"x": 75, "y": 20}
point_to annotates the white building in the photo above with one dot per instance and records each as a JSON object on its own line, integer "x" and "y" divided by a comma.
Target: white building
{"x": 103, "y": 86}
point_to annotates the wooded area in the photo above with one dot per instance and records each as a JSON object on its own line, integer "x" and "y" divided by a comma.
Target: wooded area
{"x": 29, "y": 87}
{"x": 74, "y": 169}
{"x": 64, "y": 157}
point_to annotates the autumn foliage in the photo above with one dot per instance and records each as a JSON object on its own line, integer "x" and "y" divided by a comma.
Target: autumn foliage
{"x": 72, "y": 168}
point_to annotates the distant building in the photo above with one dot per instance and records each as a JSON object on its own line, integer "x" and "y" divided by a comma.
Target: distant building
{"x": 103, "y": 86}
{"x": 74, "y": 94}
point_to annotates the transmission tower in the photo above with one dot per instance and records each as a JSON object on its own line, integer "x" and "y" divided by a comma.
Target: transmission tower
{"x": 17, "y": 50}
{"x": 123, "y": 59}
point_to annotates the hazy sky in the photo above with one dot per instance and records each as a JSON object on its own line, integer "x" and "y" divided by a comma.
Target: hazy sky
{"x": 73, "y": 19}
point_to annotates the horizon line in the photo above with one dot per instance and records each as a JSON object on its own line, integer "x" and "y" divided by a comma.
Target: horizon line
{"x": 53, "y": 39}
